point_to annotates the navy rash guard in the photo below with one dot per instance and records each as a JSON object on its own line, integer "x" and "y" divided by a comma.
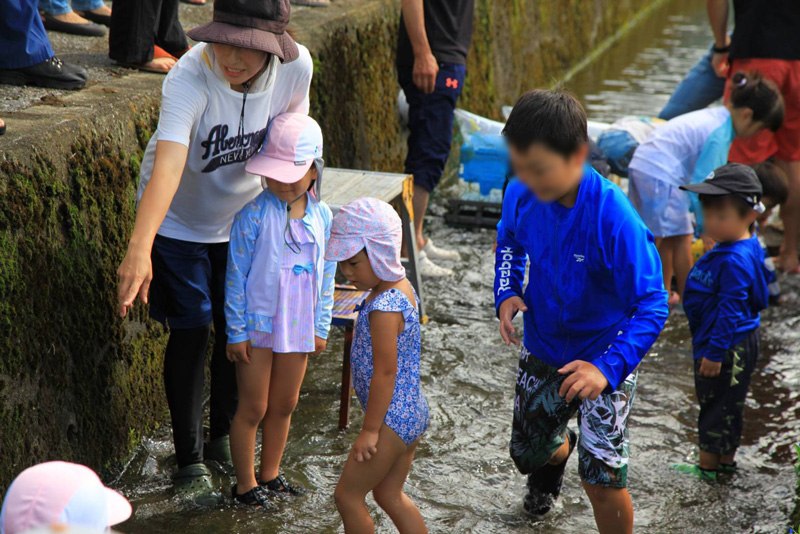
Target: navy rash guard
{"x": 595, "y": 290}
{"x": 724, "y": 295}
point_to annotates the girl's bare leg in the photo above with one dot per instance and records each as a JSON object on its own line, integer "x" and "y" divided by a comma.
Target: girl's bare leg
{"x": 664, "y": 246}
{"x": 682, "y": 259}
{"x": 253, "y": 381}
{"x": 390, "y": 496}
{"x": 288, "y": 371}
{"x": 359, "y": 478}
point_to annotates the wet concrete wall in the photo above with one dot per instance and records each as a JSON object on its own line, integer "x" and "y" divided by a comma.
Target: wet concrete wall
{"x": 75, "y": 381}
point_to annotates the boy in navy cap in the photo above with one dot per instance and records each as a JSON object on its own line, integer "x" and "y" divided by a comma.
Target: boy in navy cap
{"x": 726, "y": 290}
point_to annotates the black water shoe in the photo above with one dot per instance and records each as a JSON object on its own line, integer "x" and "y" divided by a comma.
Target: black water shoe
{"x": 281, "y": 486}
{"x": 86, "y": 29}
{"x": 544, "y": 484}
{"x": 256, "y": 497}
{"x": 52, "y": 73}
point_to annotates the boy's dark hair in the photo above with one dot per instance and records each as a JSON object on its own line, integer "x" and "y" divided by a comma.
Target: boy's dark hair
{"x": 720, "y": 201}
{"x": 553, "y": 118}
{"x": 774, "y": 183}
{"x": 751, "y": 90}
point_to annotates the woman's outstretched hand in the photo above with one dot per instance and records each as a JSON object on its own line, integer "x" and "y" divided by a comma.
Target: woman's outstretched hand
{"x": 133, "y": 278}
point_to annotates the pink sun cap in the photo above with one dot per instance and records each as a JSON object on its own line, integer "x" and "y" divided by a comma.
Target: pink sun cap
{"x": 61, "y": 493}
{"x": 372, "y": 224}
{"x": 293, "y": 144}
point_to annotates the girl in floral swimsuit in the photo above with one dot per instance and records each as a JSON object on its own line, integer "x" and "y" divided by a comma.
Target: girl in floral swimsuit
{"x": 365, "y": 239}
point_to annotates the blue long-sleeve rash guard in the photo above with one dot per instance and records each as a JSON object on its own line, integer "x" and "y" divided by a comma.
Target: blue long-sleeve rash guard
{"x": 724, "y": 295}
{"x": 595, "y": 291}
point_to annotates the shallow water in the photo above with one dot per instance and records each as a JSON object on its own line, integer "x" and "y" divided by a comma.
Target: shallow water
{"x": 463, "y": 479}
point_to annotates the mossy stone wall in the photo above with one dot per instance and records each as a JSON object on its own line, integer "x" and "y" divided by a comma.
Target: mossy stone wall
{"x": 78, "y": 383}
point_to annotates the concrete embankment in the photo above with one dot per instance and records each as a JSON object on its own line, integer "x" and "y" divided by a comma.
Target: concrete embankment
{"x": 75, "y": 381}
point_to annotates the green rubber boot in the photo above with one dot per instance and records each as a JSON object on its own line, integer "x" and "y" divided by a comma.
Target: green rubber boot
{"x": 194, "y": 481}
{"x": 219, "y": 451}
{"x": 695, "y": 471}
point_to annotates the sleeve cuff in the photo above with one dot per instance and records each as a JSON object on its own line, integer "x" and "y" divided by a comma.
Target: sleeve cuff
{"x": 322, "y": 334}
{"x": 609, "y": 373}
{"x": 714, "y": 354}
{"x": 238, "y": 338}
{"x": 501, "y": 299}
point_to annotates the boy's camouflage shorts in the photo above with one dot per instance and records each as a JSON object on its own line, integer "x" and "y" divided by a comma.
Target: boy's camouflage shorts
{"x": 541, "y": 416}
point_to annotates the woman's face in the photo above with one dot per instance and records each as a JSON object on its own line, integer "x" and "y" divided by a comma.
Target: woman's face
{"x": 238, "y": 64}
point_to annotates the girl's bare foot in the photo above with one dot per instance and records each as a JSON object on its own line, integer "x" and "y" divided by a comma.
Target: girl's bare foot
{"x": 160, "y": 64}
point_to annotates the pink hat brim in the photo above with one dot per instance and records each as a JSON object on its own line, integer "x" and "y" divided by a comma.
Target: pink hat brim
{"x": 119, "y": 509}
{"x": 287, "y": 172}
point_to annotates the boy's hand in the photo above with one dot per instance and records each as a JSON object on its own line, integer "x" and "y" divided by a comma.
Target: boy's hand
{"x": 239, "y": 352}
{"x": 708, "y": 243}
{"x": 365, "y": 446}
{"x": 508, "y": 309}
{"x": 709, "y": 369}
{"x": 319, "y": 345}
{"x": 585, "y": 381}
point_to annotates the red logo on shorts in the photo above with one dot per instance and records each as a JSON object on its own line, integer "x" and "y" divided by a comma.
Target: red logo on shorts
{"x": 450, "y": 82}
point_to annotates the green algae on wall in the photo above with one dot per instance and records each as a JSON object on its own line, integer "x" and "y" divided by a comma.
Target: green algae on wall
{"x": 75, "y": 380}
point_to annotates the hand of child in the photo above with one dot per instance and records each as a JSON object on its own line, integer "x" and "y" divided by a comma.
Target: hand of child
{"x": 319, "y": 345}
{"x": 709, "y": 368}
{"x": 365, "y": 446}
{"x": 708, "y": 243}
{"x": 585, "y": 381}
{"x": 508, "y": 309}
{"x": 239, "y": 352}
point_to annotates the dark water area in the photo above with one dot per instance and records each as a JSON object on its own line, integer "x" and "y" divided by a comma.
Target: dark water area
{"x": 463, "y": 479}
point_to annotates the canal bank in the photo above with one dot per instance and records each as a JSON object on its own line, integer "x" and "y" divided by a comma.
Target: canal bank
{"x": 75, "y": 381}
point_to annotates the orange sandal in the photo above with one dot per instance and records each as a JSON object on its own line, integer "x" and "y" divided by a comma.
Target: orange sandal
{"x": 158, "y": 53}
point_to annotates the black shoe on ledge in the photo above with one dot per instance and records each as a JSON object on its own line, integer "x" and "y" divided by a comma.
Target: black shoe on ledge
{"x": 52, "y": 73}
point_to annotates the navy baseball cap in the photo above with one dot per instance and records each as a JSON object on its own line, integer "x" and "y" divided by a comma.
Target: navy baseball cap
{"x": 731, "y": 179}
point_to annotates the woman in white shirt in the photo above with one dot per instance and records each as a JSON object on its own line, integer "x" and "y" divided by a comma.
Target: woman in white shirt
{"x": 217, "y": 102}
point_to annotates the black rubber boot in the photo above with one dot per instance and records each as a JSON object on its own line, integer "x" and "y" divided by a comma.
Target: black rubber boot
{"x": 544, "y": 484}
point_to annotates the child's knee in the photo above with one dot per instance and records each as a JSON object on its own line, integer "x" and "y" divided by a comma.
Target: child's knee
{"x": 251, "y": 413}
{"x": 283, "y": 407}
{"x": 344, "y": 499}
{"x": 387, "y": 499}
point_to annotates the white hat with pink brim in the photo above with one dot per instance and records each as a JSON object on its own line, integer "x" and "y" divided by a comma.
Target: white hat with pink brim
{"x": 293, "y": 144}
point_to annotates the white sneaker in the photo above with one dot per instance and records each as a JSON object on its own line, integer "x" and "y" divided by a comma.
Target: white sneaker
{"x": 430, "y": 269}
{"x": 437, "y": 253}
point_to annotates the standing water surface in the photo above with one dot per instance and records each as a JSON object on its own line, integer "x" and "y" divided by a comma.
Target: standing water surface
{"x": 463, "y": 479}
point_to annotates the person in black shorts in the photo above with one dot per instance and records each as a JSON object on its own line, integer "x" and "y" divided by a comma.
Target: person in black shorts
{"x": 435, "y": 36}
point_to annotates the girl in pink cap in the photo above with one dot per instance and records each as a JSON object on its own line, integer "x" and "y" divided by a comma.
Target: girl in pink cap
{"x": 278, "y": 300}
{"x": 365, "y": 239}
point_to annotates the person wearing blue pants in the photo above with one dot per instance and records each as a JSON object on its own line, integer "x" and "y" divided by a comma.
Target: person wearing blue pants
{"x": 26, "y": 57}
{"x": 700, "y": 88}
{"x": 83, "y": 17}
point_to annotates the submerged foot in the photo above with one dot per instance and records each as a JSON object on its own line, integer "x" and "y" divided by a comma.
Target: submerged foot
{"x": 692, "y": 470}
{"x": 280, "y": 486}
{"x": 544, "y": 484}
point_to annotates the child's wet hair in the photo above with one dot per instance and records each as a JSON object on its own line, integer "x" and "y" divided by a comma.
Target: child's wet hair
{"x": 753, "y": 91}
{"x": 553, "y": 118}
{"x": 774, "y": 182}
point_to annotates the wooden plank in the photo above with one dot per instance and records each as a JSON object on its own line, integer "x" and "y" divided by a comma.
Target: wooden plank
{"x": 340, "y": 186}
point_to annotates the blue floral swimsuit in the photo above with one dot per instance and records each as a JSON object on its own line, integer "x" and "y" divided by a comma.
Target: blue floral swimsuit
{"x": 408, "y": 412}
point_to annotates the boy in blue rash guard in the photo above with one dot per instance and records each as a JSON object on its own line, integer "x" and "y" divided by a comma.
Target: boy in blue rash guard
{"x": 593, "y": 306}
{"x": 725, "y": 292}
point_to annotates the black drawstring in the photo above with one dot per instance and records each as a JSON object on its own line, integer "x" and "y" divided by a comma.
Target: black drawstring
{"x": 294, "y": 246}
{"x": 246, "y": 87}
